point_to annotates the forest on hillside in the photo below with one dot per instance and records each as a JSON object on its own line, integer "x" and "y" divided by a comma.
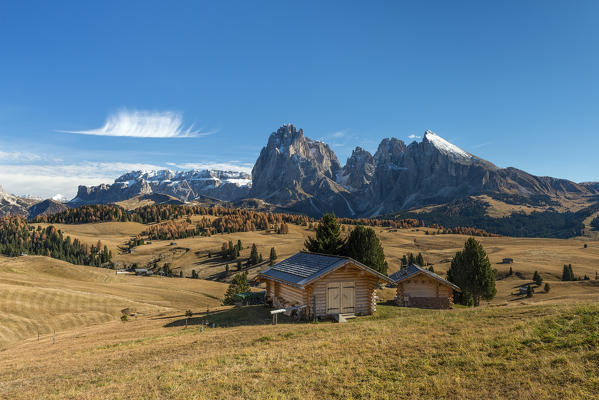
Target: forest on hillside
{"x": 17, "y": 238}
{"x": 472, "y": 212}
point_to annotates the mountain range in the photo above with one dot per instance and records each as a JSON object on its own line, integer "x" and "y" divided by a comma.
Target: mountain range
{"x": 294, "y": 173}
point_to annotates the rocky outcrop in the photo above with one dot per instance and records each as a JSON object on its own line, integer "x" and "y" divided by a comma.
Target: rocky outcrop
{"x": 299, "y": 173}
{"x": 14, "y": 205}
{"x": 358, "y": 170}
{"x": 182, "y": 185}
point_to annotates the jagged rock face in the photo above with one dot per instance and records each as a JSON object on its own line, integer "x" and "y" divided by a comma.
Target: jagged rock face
{"x": 14, "y": 205}
{"x": 295, "y": 171}
{"x": 432, "y": 171}
{"x": 183, "y": 185}
{"x": 358, "y": 170}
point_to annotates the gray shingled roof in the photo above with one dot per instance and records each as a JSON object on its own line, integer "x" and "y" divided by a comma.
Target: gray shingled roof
{"x": 412, "y": 270}
{"x": 302, "y": 268}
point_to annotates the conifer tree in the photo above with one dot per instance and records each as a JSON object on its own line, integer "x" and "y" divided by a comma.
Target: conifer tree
{"x": 254, "y": 258}
{"x": 364, "y": 246}
{"x": 239, "y": 284}
{"x": 328, "y": 237}
{"x": 537, "y": 278}
{"x": 471, "y": 271}
{"x": 273, "y": 255}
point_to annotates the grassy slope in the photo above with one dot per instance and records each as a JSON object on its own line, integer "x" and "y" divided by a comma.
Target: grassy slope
{"x": 525, "y": 352}
{"x": 40, "y": 294}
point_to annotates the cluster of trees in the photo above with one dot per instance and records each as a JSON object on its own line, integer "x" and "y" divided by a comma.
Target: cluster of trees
{"x": 229, "y": 251}
{"x": 164, "y": 212}
{"x": 567, "y": 273}
{"x": 595, "y": 223}
{"x": 410, "y": 259}
{"x": 471, "y": 271}
{"x": 362, "y": 244}
{"x": 461, "y": 230}
{"x": 18, "y": 237}
{"x": 87, "y": 214}
{"x": 169, "y": 230}
{"x": 382, "y": 222}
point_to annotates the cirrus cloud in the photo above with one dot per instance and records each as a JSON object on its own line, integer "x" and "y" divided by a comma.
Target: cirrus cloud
{"x": 144, "y": 124}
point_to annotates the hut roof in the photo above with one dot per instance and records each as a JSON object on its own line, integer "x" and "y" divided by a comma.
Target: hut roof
{"x": 303, "y": 268}
{"x": 413, "y": 270}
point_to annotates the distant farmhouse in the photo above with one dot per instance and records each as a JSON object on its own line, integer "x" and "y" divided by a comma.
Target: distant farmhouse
{"x": 143, "y": 272}
{"x": 419, "y": 287}
{"x": 327, "y": 285}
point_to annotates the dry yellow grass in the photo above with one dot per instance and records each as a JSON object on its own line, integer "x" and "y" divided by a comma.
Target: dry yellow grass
{"x": 524, "y": 352}
{"x": 514, "y": 348}
{"x": 40, "y": 294}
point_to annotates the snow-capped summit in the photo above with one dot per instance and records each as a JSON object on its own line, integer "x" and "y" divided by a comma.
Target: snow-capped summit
{"x": 443, "y": 145}
{"x": 60, "y": 198}
{"x": 183, "y": 185}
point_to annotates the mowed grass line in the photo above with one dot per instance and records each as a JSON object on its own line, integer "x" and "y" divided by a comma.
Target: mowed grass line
{"x": 43, "y": 295}
{"x": 527, "y": 352}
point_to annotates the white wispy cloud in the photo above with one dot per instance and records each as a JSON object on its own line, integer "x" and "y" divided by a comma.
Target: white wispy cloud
{"x": 19, "y": 156}
{"x": 414, "y": 137}
{"x": 144, "y": 124}
{"x": 338, "y": 134}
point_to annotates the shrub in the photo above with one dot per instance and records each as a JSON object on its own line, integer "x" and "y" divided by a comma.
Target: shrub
{"x": 547, "y": 288}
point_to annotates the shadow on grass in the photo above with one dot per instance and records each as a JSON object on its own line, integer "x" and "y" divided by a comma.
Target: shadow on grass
{"x": 239, "y": 316}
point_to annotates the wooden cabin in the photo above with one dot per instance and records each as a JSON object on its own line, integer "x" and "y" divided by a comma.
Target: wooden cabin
{"x": 327, "y": 285}
{"x": 419, "y": 287}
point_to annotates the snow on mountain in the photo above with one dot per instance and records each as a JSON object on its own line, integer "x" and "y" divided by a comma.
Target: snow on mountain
{"x": 60, "y": 198}
{"x": 444, "y": 146}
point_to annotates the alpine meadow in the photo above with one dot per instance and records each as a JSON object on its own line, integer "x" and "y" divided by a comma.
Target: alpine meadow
{"x": 276, "y": 200}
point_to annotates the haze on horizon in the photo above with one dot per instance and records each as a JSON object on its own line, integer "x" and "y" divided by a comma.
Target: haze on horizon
{"x": 113, "y": 87}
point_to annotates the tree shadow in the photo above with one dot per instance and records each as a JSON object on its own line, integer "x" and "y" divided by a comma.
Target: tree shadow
{"x": 237, "y": 316}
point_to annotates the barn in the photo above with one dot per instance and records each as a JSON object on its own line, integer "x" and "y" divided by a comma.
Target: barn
{"x": 419, "y": 287}
{"x": 327, "y": 285}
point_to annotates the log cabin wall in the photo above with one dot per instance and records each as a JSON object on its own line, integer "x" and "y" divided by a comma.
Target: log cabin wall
{"x": 365, "y": 290}
{"x": 424, "y": 292}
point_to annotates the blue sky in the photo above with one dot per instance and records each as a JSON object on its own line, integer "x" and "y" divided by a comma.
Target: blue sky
{"x": 514, "y": 82}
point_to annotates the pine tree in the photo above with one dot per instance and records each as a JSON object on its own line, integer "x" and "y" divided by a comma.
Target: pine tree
{"x": 239, "y": 284}
{"x": 253, "y": 260}
{"x": 328, "y": 237}
{"x": 511, "y": 272}
{"x": 529, "y": 291}
{"x": 537, "y": 278}
{"x": 364, "y": 246}
{"x": 547, "y": 288}
{"x": 471, "y": 271}
{"x": 431, "y": 269}
{"x": 419, "y": 260}
{"x": 404, "y": 261}
{"x": 273, "y": 255}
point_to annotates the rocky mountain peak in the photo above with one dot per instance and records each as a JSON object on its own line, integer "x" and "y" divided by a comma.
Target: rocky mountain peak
{"x": 292, "y": 168}
{"x": 358, "y": 170}
{"x": 390, "y": 151}
{"x": 432, "y": 139}
{"x": 285, "y": 136}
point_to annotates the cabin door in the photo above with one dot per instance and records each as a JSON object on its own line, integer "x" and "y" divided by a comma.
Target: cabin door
{"x": 334, "y": 298}
{"x": 341, "y": 298}
{"x": 348, "y": 298}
